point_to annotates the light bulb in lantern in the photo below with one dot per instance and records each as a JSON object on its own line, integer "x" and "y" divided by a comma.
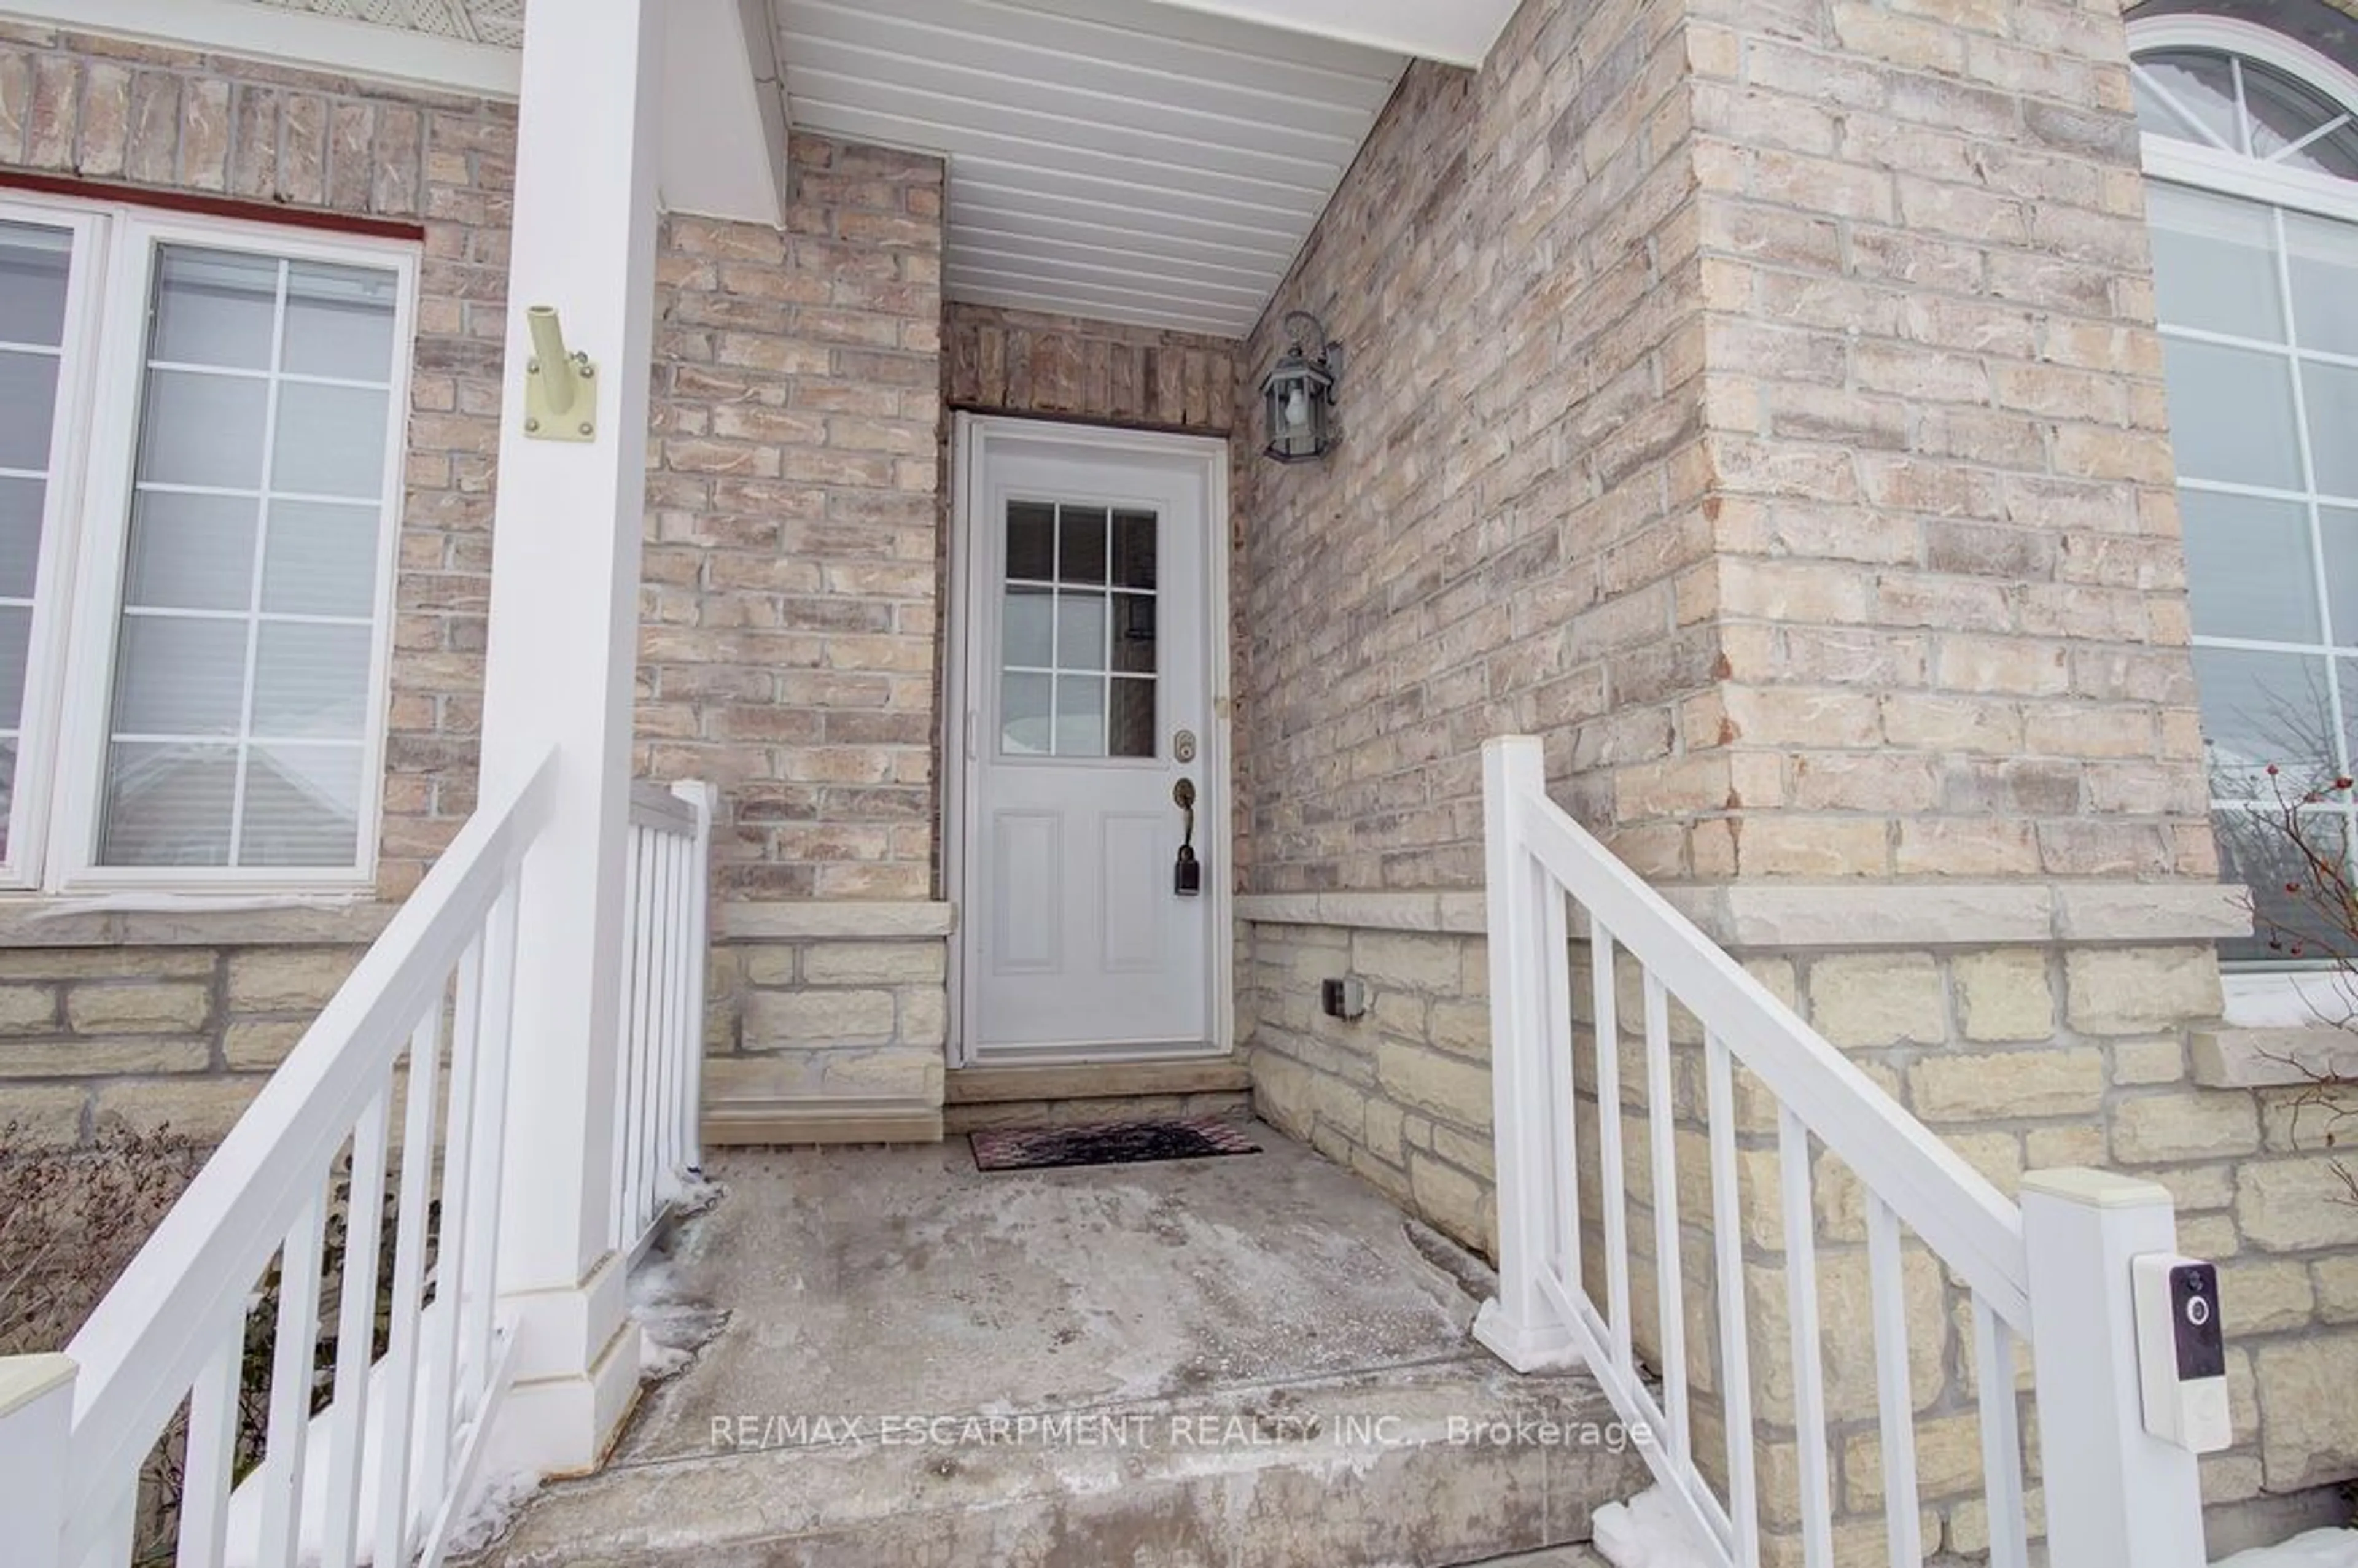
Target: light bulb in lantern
{"x": 1297, "y": 407}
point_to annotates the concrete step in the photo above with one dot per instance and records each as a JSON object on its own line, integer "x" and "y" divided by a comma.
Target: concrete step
{"x": 1263, "y": 1364}
{"x": 1450, "y": 1462}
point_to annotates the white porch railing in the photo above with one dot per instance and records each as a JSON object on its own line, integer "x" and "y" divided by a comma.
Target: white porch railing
{"x": 657, "y": 1128}
{"x": 2053, "y": 1269}
{"x": 404, "y": 1073}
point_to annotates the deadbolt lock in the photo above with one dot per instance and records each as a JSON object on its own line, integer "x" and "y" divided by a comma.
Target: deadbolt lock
{"x": 1183, "y": 746}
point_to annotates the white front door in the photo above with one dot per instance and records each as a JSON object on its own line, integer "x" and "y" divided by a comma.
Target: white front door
{"x": 1087, "y": 684}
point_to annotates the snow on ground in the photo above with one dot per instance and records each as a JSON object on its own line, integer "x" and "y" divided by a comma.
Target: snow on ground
{"x": 2318, "y": 1549}
{"x": 1646, "y": 1532}
{"x": 674, "y": 1323}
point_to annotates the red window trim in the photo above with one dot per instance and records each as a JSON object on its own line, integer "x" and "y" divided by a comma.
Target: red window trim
{"x": 211, "y": 206}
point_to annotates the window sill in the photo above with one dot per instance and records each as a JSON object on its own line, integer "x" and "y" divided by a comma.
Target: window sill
{"x": 190, "y": 920}
{"x": 2281, "y": 1029}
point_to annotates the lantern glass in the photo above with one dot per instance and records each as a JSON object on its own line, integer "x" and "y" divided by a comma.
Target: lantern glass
{"x": 1298, "y": 394}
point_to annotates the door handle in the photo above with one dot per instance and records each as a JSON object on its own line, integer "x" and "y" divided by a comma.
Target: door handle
{"x": 1187, "y": 876}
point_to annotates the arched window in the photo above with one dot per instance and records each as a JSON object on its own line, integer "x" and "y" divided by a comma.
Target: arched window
{"x": 2251, "y": 146}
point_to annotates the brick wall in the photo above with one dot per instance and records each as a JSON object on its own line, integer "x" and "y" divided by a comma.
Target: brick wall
{"x": 788, "y": 649}
{"x": 209, "y": 125}
{"x": 1021, "y": 361}
{"x": 1506, "y": 535}
{"x": 1950, "y": 587}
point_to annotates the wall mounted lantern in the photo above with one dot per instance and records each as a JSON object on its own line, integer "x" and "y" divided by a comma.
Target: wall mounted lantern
{"x": 1300, "y": 391}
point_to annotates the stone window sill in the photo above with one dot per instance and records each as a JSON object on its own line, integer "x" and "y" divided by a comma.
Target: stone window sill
{"x": 35, "y": 920}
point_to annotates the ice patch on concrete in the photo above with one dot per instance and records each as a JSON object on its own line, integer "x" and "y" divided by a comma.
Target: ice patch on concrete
{"x": 674, "y": 1322}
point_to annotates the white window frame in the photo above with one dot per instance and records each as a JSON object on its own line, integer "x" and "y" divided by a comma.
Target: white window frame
{"x": 2259, "y": 991}
{"x": 69, "y": 679}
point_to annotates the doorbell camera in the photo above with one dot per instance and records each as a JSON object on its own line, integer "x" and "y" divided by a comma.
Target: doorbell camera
{"x": 2181, "y": 1351}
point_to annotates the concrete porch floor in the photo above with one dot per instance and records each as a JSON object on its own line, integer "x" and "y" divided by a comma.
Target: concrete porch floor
{"x": 1270, "y": 1363}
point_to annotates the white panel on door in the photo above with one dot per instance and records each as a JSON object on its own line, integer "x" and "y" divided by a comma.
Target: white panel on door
{"x": 1027, "y": 878}
{"x": 1134, "y": 893}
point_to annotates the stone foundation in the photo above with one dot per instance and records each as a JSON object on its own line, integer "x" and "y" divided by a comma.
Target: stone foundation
{"x": 827, "y": 1023}
{"x": 2001, "y": 1016}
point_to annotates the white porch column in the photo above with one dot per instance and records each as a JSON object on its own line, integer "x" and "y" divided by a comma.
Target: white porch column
{"x": 563, "y": 655}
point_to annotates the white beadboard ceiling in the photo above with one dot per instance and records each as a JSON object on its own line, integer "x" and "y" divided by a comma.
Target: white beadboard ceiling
{"x": 1120, "y": 159}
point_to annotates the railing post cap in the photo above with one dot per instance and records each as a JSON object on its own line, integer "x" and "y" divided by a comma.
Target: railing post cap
{"x": 2096, "y": 1189}
{"x": 24, "y": 1378}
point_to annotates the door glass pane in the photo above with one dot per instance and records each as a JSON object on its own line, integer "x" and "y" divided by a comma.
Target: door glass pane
{"x": 1080, "y": 716}
{"x": 340, "y": 322}
{"x": 35, "y": 265}
{"x": 1031, "y": 541}
{"x": 1027, "y": 629}
{"x": 214, "y": 307}
{"x": 190, "y": 552}
{"x": 1133, "y": 633}
{"x": 2231, "y": 415}
{"x": 167, "y": 805}
{"x": 28, "y": 402}
{"x": 321, "y": 559}
{"x": 1023, "y": 721}
{"x": 2247, "y": 569}
{"x": 2333, "y": 394}
{"x": 1080, "y": 544}
{"x": 202, "y": 430}
{"x": 2214, "y": 263}
{"x": 1133, "y": 549}
{"x": 2324, "y": 282}
{"x": 1131, "y": 723}
{"x": 1080, "y": 630}
{"x": 2262, "y": 709}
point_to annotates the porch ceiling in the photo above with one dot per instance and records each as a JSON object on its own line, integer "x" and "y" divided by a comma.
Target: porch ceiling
{"x": 1121, "y": 159}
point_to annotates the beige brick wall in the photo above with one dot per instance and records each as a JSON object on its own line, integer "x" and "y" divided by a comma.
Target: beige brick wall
{"x": 791, "y": 607}
{"x": 140, "y": 118}
{"x": 1500, "y": 540}
{"x": 1022, "y": 362}
{"x": 1948, "y": 577}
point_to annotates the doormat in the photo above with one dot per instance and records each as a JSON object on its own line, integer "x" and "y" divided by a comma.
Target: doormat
{"x": 1108, "y": 1143}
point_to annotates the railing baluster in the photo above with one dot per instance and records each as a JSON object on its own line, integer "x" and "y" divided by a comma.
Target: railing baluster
{"x": 641, "y": 1026}
{"x": 440, "y": 1346}
{"x": 479, "y": 1287}
{"x": 1809, "y": 1357}
{"x": 654, "y": 1135}
{"x": 1669, "y": 1291}
{"x": 1895, "y": 1402}
{"x": 1608, "y": 1145}
{"x": 699, "y": 798}
{"x": 395, "y": 1516}
{"x": 356, "y": 1335}
{"x": 1564, "y": 1198}
{"x": 2001, "y": 1438}
{"x": 683, "y": 959}
{"x": 1735, "y": 1349}
{"x": 285, "y": 1445}
{"x": 626, "y": 1014}
{"x": 211, "y": 1467}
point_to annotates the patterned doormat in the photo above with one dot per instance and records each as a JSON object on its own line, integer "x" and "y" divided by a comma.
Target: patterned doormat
{"x": 1108, "y": 1143}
